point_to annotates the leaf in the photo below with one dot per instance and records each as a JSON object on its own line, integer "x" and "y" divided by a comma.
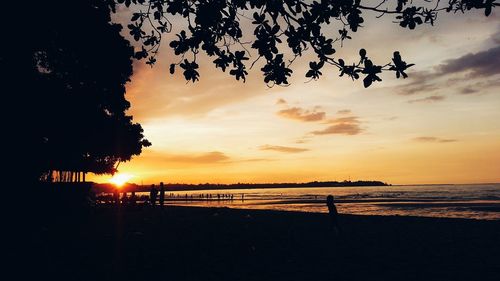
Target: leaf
{"x": 487, "y": 10}
{"x": 367, "y": 81}
{"x": 135, "y": 16}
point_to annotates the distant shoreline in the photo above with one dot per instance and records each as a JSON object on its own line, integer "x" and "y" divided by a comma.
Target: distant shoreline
{"x": 105, "y": 187}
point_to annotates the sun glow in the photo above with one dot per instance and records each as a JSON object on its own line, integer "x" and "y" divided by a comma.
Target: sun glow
{"x": 120, "y": 179}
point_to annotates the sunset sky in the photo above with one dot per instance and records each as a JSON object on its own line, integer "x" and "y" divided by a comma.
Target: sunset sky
{"x": 441, "y": 125}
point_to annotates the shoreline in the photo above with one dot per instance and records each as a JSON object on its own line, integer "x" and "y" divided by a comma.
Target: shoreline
{"x": 347, "y": 215}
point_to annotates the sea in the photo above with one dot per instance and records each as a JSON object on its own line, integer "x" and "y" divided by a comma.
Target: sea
{"x": 471, "y": 201}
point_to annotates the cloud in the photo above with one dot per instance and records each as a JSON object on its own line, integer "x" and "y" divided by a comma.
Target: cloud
{"x": 200, "y": 158}
{"x": 468, "y": 91}
{"x": 303, "y": 140}
{"x": 481, "y": 64}
{"x": 349, "y": 119}
{"x": 342, "y": 126}
{"x": 281, "y": 101}
{"x": 421, "y": 81}
{"x": 496, "y": 36}
{"x": 475, "y": 65}
{"x": 479, "y": 87}
{"x": 433, "y": 139}
{"x": 347, "y": 125}
{"x": 300, "y": 114}
{"x": 286, "y": 149}
{"x": 159, "y": 161}
{"x": 255, "y": 160}
{"x": 344, "y": 111}
{"x": 341, "y": 129}
{"x": 428, "y": 99}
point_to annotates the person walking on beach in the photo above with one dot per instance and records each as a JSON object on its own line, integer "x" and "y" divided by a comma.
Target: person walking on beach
{"x": 333, "y": 214}
{"x": 162, "y": 194}
{"x": 152, "y": 195}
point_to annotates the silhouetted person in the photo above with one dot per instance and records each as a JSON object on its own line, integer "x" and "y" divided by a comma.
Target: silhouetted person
{"x": 124, "y": 198}
{"x": 162, "y": 194}
{"x": 132, "y": 199}
{"x": 333, "y": 214}
{"x": 152, "y": 195}
{"x": 116, "y": 196}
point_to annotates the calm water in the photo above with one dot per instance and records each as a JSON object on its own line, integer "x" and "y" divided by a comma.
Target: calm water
{"x": 479, "y": 201}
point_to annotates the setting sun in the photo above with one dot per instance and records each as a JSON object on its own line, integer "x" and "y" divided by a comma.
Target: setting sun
{"x": 120, "y": 179}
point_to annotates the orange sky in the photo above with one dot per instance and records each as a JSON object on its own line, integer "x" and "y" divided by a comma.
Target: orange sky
{"x": 438, "y": 126}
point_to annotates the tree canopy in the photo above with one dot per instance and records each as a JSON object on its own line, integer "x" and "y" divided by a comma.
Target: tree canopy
{"x": 214, "y": 27}
{"x": 74, "y": 69}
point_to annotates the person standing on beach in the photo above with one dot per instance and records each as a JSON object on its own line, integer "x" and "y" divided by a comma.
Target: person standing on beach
{"x": 152, "y": 195}
{"x": 116, "y": 196}
{"x": 333, "y": 214}
{"x": 124, "y": 198}
{"x": 162, "y": 194}
{"x": 133, "y": 199}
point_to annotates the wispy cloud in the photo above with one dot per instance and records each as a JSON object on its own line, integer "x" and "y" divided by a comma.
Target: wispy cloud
{"x": 281, "y": 101}
{"x": 467, "y": 90}
{"x": 255, "y": 160}
{"x": 349, "y": 119}
{"x": 474, "y": 66}
{"x": 341, "y": 129}
{"x": 286, "y": 149}
{"x": 433, "y": 139}
{"x": 198, "y": 158}
{"x": 343, "y": 126}
{"x": 479, "y": 87}
{"x": 428, "y": 99}
{"x": 421, "y": 81}
{"x": 300, "y": 114}
{"x": 302, "y": 140}
{"x": 480, "y": 64}
{"x": 344, "y": 111}
{"x": 496, "y": 36}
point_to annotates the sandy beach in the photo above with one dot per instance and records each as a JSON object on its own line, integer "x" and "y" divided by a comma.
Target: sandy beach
{"x": 189, "y": 243}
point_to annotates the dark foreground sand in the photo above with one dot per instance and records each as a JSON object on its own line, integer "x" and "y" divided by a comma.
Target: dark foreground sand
{"x": 180, "y": 243}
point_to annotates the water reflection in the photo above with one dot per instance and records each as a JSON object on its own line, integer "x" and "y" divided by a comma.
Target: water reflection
{"x": 458, "y": 201}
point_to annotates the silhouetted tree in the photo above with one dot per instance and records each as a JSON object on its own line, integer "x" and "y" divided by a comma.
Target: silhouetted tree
{"x": 73, "y": 66}
{"x": 214, "y": 27}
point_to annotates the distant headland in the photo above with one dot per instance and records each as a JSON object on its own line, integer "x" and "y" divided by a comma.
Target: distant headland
{"x": 105, "y": 187}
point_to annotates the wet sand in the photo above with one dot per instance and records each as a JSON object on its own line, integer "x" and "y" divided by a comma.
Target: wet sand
{"x": 189, "y": 243}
